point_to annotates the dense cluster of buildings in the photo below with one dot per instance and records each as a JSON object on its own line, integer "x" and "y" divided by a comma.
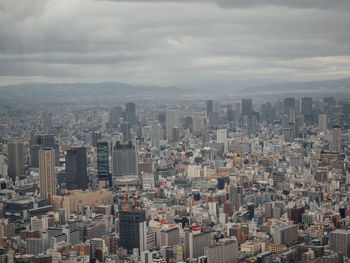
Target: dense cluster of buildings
{"x": 190, "y": 182}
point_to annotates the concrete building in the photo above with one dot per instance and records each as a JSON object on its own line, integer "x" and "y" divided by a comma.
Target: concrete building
{"x": 47, "y": 173}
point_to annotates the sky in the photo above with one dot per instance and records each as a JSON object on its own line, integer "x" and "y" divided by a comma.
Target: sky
{"x": 168, "y": 42}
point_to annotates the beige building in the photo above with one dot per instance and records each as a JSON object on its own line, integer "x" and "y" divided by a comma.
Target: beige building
{"x": 47, "y": 173}
{"x": 77, "y": 199}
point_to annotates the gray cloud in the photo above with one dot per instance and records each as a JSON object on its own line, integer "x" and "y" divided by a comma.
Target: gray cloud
{"x": 164, "y": 42}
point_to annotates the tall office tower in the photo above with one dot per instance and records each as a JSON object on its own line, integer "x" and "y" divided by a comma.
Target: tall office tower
{"x": 306, "y": 109}
{"x": 47, "y": 121}
{"x": 97, "y": 249}
{"x": 339, "y": 241}
{"x": 171, "y": 123}
{"x": 132, "y": 229}
{"x": 115, "y": 115}
{"x": 15, "y": 160}
{"x": 263, "y": 112}
{"x": 156, "y": 134}
{"x": 76, "y": 174}
{"x": 247, "y": 107}
{"x": 236, "y": 196}
{"x": 329, "y": 100}
{"x": 336, "y": 131}
{"x": 124, "y": 159}
{"x": 104, "y": 120}
{"x": 130, "y": 113}
{"x": 43, "y": 140}
{"x": 125, "y": 129}
{"x": 252, "y": 124}
{"x": 47, "y": 173}
{"x": 210, "y": 107}
{"x": 322, "y": 122}
{"x": 102, "y": 162}
{"x": 289, "y": 107}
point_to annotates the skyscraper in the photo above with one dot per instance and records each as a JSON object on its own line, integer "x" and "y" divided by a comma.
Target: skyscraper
{"x": 306, "y": 109}
{"x": 247, "y": 107}
{"x": 289, "y": 107}
{"x": 47, "y": 173}
{"x": 115, "y": 115}
{"x": 76, "y": 175}
{"x": 322, "y": 122}
{"x": 132, "y": 230}
{"x": 102, "y": 162}
{"x": 130, "y": 113}
{"x": 15, "y": 160}
{"x": 43, "y": 140}
{"x": 209, "y": 107}
{"x": 124, "y": 159}
{"x": 336, "y": 138}
{"x": 125, "y": 128}
{"x": 47, "y": 121}
{"x": 171, "y": 123}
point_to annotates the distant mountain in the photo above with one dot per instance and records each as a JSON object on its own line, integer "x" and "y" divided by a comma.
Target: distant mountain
{"x": 312, "y": 87}
{"x": 29, "y": 93}
{"x": 110, "y": 92}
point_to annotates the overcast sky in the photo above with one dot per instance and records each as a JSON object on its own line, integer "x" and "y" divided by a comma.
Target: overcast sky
{"x": 170, "y": 42}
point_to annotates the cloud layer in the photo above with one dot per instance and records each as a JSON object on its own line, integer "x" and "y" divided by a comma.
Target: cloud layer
{"x": 169, "y": 42}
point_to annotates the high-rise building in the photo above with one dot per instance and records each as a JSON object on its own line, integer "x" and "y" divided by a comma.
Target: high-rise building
{"x": 102, "y": 162}
{"x": 236, "y": 196}
{"x": 47, "y": 121}
{"x": 339, "y": 241}
{"x": 336, "y": 131}
{"x": 247, "y": 107}
{"x": 47, "y": 173}
{"x": 289, "y": 107}
{"x": 132, "y": 229}
{"x": 329, "y": 100}
{"x": 125, "y": 128}
{"x": 76, "y": 174}
{"x": 221, "y": 137}
{"x": 124, "y": 159}
{"x": 156, "y": 134}
{"x": 15, "y": 160}
{"x": 130, "y": 113}
{"x": 322, "y": 122}
{"x": 43, "y": 140}
{"x": 306, "y": 109}
{"x": 171, "y": 119}
{"x": 115, "y": 115}
{"x": 210, "y": 106}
